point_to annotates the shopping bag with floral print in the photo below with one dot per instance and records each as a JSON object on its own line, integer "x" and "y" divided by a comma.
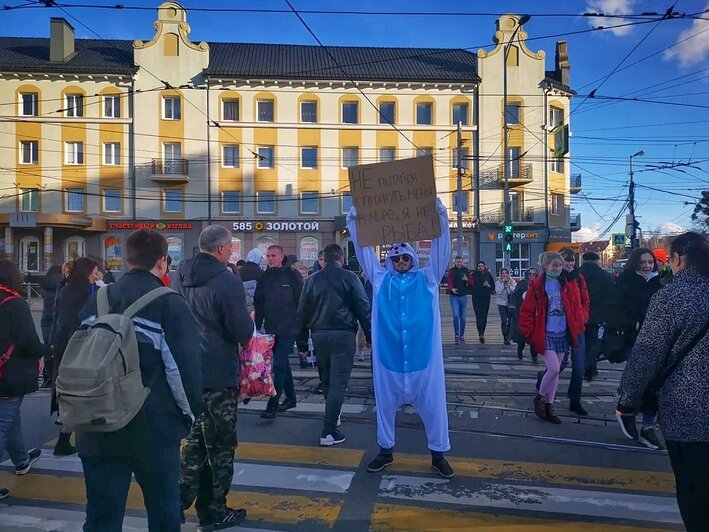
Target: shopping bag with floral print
{"x": 256, "y": 362}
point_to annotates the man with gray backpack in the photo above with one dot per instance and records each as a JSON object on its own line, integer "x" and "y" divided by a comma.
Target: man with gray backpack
{"x": 130, "y": 385}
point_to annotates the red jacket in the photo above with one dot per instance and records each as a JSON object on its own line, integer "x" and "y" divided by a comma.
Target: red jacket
{"x": 533, "y": 314}
{"x": 581, "y": 294}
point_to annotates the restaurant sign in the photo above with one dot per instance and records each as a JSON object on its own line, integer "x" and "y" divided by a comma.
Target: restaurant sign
{"x": 285, "y": 225}
{"x": 158, "y": 226}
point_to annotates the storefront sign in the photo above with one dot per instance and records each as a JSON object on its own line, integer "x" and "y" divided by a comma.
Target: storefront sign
{"x": 491, "y": 236}
{"x": 467, "y": 224}
{"x": 158, "y": 226}
{"x": 113, "y": 252}
{"x": 283, "y": 225}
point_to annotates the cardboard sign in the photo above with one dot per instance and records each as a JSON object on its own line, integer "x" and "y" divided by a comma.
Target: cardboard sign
{"x": 395, "y": 201}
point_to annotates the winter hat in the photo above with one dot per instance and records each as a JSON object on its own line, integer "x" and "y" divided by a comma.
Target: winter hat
{"x": 590, "y": 255}
{"x": 660, "y": 254}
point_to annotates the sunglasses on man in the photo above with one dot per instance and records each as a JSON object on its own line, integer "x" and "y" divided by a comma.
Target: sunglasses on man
{"x": 405, "y": 258}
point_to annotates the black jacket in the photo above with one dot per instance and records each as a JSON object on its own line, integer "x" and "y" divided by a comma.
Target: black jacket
{"x": 599, "y": 284}
{"x": 479, "y": 291}
{"x": 50, "y": 285}
{"x": 629, "y": 300}
{"x": 334, "y": 299}
{"x": 276, "y": 300}
{"x": 216, "y": 299}
{"x": 160, "y": 422}
{"x": 20, "y": 372}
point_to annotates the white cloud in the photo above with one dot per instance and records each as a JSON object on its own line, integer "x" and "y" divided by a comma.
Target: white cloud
{"x": 587, "y": 234}
{"x": 611, "y": 7}
{"x": 695, "y": 49}
{"x": 672, "y": 228}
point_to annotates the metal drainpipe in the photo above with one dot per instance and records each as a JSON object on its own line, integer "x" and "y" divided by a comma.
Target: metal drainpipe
{"x": 131, "y": 147}
{"x": 476, "y": 170}
{"x": 209, "y": 162}
{"x": 546, "y": 161}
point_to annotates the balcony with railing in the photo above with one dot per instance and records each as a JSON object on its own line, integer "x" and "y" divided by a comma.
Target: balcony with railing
{"x": 172, "y": 170}
{"x": 575, "y": 184}
{"x": 519, "y": 216}
{"x": 520, "y": 174}
{"x": 575, "y": 221}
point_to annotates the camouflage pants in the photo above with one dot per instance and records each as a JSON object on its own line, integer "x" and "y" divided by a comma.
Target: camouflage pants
{"x": 207, "y": 464}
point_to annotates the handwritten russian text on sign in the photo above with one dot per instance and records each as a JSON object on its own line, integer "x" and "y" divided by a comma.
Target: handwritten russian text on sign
{"x": 395, "y": 201}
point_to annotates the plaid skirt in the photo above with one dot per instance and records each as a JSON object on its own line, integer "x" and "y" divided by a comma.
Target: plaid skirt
{"x": 558, "y": 344}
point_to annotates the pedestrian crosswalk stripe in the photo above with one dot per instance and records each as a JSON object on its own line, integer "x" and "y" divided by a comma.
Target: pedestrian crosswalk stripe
{"x": 552, "y": 500}
{"x": 389, "y": 518}
{"x": 273, "y": 508}
{"x": 300, "y": 454}
{"x": 571, "y": 475}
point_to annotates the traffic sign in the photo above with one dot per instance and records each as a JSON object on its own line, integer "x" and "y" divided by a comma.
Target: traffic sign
{"x": 618, "y": 239}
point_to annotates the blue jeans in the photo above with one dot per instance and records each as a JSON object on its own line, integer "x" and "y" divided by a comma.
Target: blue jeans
{"x": 11, "y": 430}
{"x": 282, "y": 375}
{"x": 459, "y": 304}
{"x": 107, "y": 482}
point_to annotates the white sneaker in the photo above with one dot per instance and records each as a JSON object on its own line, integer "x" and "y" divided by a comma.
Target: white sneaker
{"x": 332, "y": 438}
{"x": 361, "y": 356}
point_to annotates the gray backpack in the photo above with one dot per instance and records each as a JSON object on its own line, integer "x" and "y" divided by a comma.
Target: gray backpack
{"x": 99, "y": 385}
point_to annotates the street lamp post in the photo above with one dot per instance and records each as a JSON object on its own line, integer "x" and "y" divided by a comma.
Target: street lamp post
{"x": 631, "y": 203}
{"x": 523, "y": 19}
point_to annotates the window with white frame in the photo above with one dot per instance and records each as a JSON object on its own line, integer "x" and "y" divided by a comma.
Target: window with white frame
{"x": 513, "y": 113}
{"x": 112, "y": 106}
{"x": 557, "y": 204}
{"x": 29, "y": 200}
{"x": 265, "y": 202}
{"x": 230, "y": 110}
{"x": 112, "y": 153}
{"x": 231, "y": 202}
{"x": 387, "y": 155}
{"x": 309, "y": 112}
{"x": 557, "y": 164}
{"x": 350, "y": 112}
{"x": 29, "y": 151}
{"x": 464, "y": 156}
{"x": 75, "y": 200}
{"x": 350, "y": 157}
{"x": 424, "y": 113}
{"x": 264, "y": 110}
{"x": 520, "y": 259}
{"x": 346, "y": 202}
{"x": 29, "y": 104}
{"x": 73, "y": 153}
{"x": 173, "y": 200}
{"x": 514, "y": 154}
{"x": 556, "y": 117}
{"x": 309, "y": 157}
{"x": 171, "y": 108}
{"x": 230, "y": 156}
{"x": 517, "y": 206}
{"x": 74, "y": 105}
{"x": 112, "y": 200}
{"x": 460, "y": 113}
{"x": 387, "y": 112}
{"x": 265, "y": 157}
{"x": 309, "y": 202}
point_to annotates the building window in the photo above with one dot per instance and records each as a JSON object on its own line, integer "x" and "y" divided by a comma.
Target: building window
{"x": 29, "y": 200}
{"x": 513, "y": 161}
{"x": 350, "y": 157}
{"x": 171, "y": 108}
{"x": 387, "y": 155}
{"x": 113, "y": 252}
{"x": 74, "y": 153}
{"x": 112, "y": 106}
{"x": 309, "y": 203}
{"x": 112, "y": 153}
{"x": 516, "y": 206}
{"x": 30, "y": 104}
{"x": 74, "y": 105}
{"x": 512, "y": 114}
{"x": 464, "y": 156}
{"x": 29, "y": 151}
{"x": 231, "y": 202}
{"x": 74, "y": 247}
{"x": 230, "y": 110}
{"x": 174, "y": 249}
{"x": 557, "y": 204}
{"x": 387, "y": 112}
{"x": 265, "y": 157}
{"x": 172, "y": 151}
{"x": 172, "y": 200}
{"x": 520, "y": 259}
{"x": 557, "y": 164}
{"x": 309, "y": 157}
{"x": 309, "y": 112}
{"x": 460, "y": 113}
{"x": 423, "y": 150}
{"x": 350, "y": 112}
{"x": 112, "y": 200}
{"x": 346, "y": 202}
{"x": 230, "y": 156}
{"x": 556, "y": 117}
{"x": 424, "y": 113}
{"x": 264, "y": 110}
{"x": 265, "y": 202}
{"x": 75, "y": 200}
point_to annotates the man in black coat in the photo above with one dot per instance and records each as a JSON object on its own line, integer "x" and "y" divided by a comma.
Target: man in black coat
{"x": 332, "y": 304}
{"x": 599, "y": 284}
{"x": 217, "y": 301}
{"x": 276, "y": 305}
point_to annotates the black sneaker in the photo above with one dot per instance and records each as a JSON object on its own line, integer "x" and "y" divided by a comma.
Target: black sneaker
{"x": 380, "y": 462}
{"x": 442, "y": 467}
{"x": 520, "y": 354}
{"x": 648, "y": 437}
{"x": 576, "y": 408}
{"x": 287, "y": 404}
{"x": 304, "y": 364}
{"x": 627, "y": 426}
{"x": 269, "y": 413}
{"x": 4, "y": 492}
{"x": 64, "y": 448}
{"x": 34, "y": 455}
{"x": 231, "y": 519}
{"x": 318, "y": 388}
{"x": 328, "y": 439}
{"x": 588, "y": 374}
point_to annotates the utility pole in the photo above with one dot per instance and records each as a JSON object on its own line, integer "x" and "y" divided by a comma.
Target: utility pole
{"x": 459, "y": 231}
{"x": 631, "y": 203}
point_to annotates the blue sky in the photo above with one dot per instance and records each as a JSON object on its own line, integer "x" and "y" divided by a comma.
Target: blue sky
{"x": 668, "y": 64}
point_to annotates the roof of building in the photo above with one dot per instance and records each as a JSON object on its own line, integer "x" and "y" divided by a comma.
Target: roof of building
{"x": 246, "y": 60}
{"x": 552, "y": 76}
